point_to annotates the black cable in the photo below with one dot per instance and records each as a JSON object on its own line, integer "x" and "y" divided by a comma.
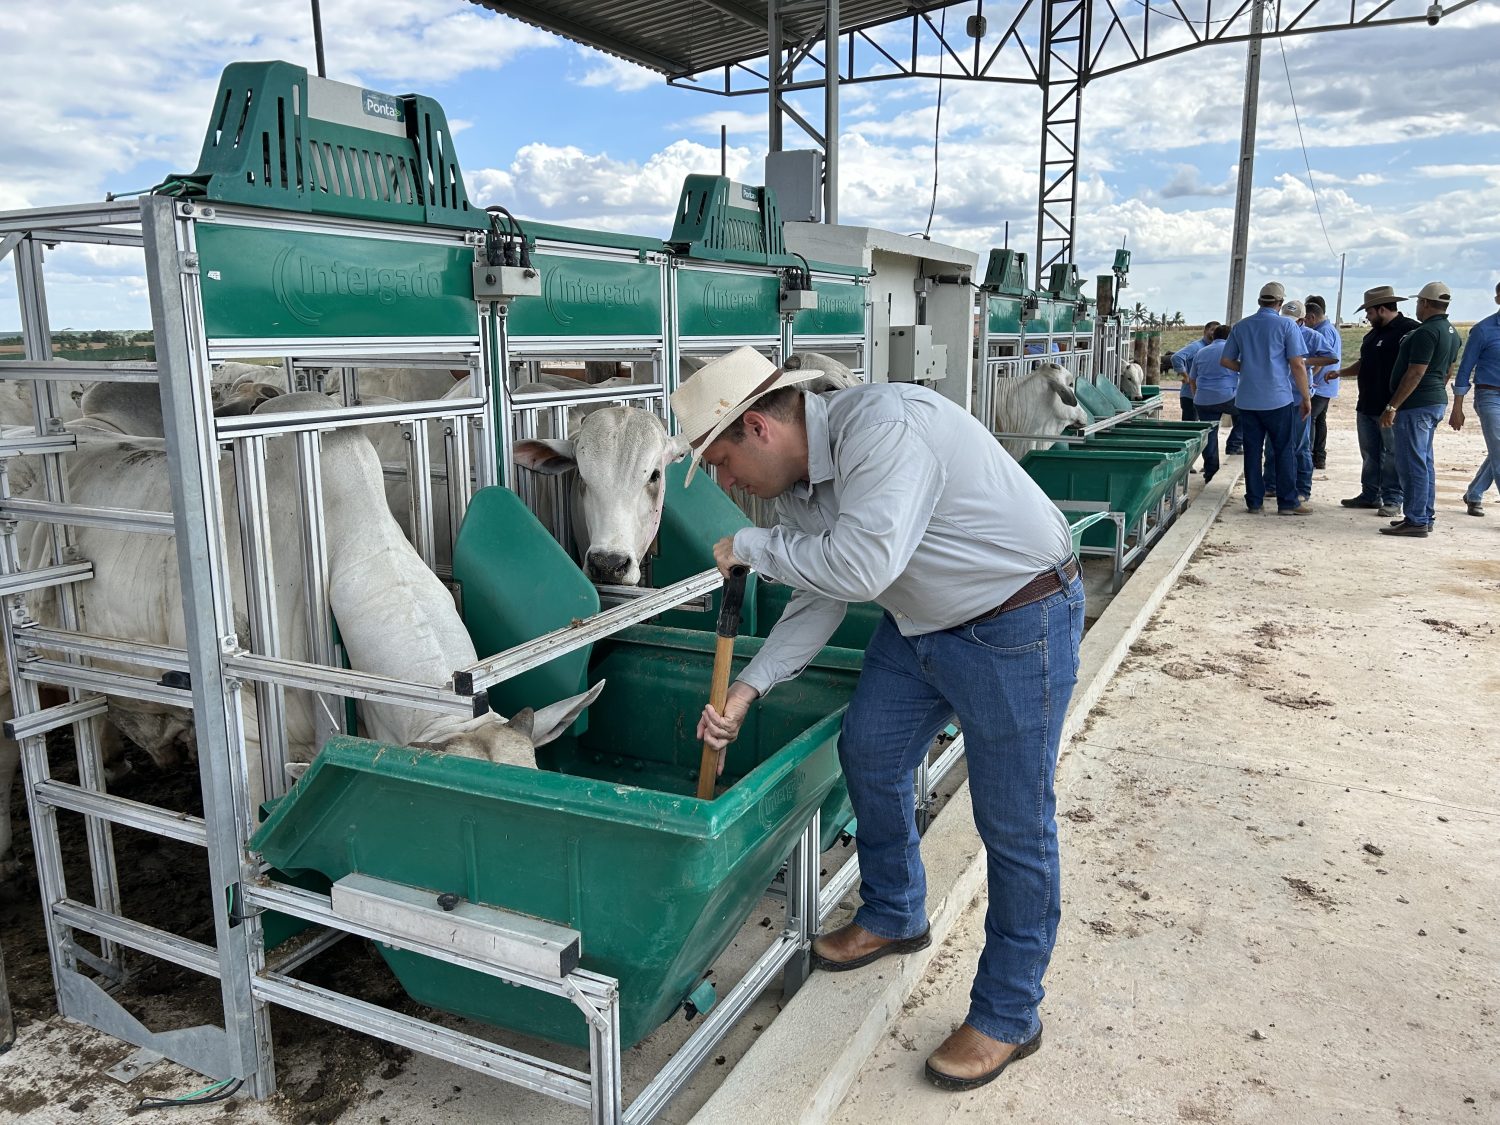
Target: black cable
{"x": 222, "y": 1094}
{"x": 937, "y": 124}
{"x": 1297, "y": 117}
{"x": 516, "y": 229}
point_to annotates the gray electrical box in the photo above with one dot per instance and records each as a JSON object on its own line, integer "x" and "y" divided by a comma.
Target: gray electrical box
{"x": 914, "y": 357}
{"x": 797, "y": 180}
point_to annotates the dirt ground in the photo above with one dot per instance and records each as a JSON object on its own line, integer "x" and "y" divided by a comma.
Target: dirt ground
{"x": 1279, "y": 832}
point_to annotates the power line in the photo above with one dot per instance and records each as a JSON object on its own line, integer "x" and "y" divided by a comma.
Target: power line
{"x": 938, "y": 123}
{"x": 1297, "y": 117}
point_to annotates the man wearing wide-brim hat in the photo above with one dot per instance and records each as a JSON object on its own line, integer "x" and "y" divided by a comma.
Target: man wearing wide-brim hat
{"x": 890, "y": 493}
{"x": 1419, "y": 398}
{"x": 1379, "y": 485}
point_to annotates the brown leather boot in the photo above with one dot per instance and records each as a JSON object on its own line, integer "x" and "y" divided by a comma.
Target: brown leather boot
{"x": 969, "y": 1058}
{"x": 852, "y": 946}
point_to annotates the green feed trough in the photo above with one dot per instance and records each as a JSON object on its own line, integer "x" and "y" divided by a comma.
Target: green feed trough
{"x": 1178, "y": 453}
{"x": 606, "y": 838}
{"x": 1130, "y": 481}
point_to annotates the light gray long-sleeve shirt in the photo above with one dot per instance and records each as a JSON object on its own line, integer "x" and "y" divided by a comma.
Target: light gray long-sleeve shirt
{"x": 910, "y": 503}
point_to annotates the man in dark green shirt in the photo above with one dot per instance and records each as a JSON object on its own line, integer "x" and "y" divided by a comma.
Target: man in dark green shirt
{"x": 1418, "y": 397}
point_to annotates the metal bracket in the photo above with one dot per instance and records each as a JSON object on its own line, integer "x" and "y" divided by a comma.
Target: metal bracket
{"x": 189, "y": 263}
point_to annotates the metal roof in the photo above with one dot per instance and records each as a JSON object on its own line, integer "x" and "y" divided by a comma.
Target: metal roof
{"x": 681, "y": 37}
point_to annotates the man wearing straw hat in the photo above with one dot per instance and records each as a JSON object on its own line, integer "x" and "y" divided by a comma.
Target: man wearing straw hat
{"x": 1380, "y": 486}
{"x": 891, "y": 493}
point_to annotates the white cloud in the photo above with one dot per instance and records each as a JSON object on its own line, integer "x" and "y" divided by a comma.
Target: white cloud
{"x": 615, "y": 74}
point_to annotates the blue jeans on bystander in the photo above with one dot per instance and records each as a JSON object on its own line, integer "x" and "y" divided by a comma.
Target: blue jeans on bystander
{"x": 1378, "y": 480}
{"x": 1275, "y": 432}
{"x": 1212, "y": 412}
{"x": 1008, "y": 679}
{"x": 1487, "y": 406}
{"x": 1415, "y": 428}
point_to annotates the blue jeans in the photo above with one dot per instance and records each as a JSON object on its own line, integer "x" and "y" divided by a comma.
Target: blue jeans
{"x": 1304, "y": 459}
{"x": 1276, "y": 430}
{"x": 1487, "y": 406}
{"x": 1234, "y": 444}
{"x": 1212, "y": 412}
{"x": 1377, "y": 453}
{"x": 1415, "y": 428}
{"x": 1009, "y": 680}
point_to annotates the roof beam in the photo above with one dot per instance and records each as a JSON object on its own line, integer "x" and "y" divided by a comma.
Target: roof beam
{"x": 537, "y": 17}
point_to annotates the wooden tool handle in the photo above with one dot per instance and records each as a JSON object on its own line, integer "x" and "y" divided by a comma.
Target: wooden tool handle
{"x": 718, "y": 695}
{"x": 718, "y": 692}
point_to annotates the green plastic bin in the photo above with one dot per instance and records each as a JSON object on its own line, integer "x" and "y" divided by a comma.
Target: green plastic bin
{"x": 607, "y": 838}
{"x": 1130, "y": 481}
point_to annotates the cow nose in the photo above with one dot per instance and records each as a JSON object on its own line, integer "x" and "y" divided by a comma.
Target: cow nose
{"x": 607, "y": 566}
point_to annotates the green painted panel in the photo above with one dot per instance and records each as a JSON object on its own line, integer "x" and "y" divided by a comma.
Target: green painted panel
{"x": 588, "y": 297}
{"x": 259, "y": 282}
{"x": 715, "y": 303}
{"x": 1005, "y": 315}
{"x": 840, "y": 311}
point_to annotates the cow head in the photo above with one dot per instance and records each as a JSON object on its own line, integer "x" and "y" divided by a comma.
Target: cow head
{"x": 836, "y": 376}
{"x": 1060, "y": 381}
{"x": 620, "y": 454}
{"x": 512, "y": 741}
{"x": 1130, "y": 380}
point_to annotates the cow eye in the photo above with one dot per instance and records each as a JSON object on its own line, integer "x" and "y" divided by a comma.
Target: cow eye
{"x": 655, "y": 476}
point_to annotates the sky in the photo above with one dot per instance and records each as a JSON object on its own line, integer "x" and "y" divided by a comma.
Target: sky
{"x": 108, "y": 96}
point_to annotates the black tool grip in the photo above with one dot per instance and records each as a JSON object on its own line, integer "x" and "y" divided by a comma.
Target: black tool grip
{"x": 732, "y": 602}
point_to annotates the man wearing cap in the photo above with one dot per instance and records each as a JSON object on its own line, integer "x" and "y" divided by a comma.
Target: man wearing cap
{"x": 1267, "y": 350}
{"x": 891, "y": 493}
{"x": 1418, "y": 398}
{"x": 1481, "y": 363}
{"x": 1325, "y": 383}
{"x": 1182, "y": 363}
{"x": 1379, "y": 484}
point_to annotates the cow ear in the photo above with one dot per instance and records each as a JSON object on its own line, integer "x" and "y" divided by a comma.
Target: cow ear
{"x": 677, "y": 448}
{"x": 1064, "y": 393}
{"x": 552, "y": 456}
{"x": 523, "y": 722}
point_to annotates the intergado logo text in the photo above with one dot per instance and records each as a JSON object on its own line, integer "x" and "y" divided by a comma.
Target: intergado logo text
{"x": 303, "y": 284}
{"x": 568, "y": 294}
{"x": 725, "y": 304}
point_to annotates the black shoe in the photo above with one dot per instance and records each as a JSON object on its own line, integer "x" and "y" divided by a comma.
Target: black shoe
{"x": 1410, "y": 530}
{"x": 1237, "y": 452}
{"x": 1476, "y": 508}
{"x": 1359, "y": 502}
{"x": 1319, "y": 465}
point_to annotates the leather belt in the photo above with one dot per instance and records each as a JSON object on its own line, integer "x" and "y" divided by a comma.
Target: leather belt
{"x": 1044, "y": 585}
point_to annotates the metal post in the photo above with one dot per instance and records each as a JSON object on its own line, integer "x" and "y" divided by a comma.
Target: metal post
{"x": 831, "y": 111}
{"x": 773, "y": 75}
{"x": 1338, "y": 304}
{"x": 1064, "y": 63}
{"x": 192, "y": 454}
{"x": 1246, "y": 177}
{"x": 802, "y": 914}
{"x": 317, "y": 21}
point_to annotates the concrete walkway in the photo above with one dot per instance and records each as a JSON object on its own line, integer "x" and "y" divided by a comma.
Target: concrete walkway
{"x": 1279, "y": 830}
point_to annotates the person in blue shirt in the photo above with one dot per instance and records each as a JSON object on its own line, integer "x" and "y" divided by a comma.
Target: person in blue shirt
{"x": 1213, "y": 390}
{"x": 1266, "y": 350}
{"x": 1181, "y": 361}
{"x": 1481, "y": 366}
{"x": 1325, "y": 382}
{"x": 1318, "y": 357}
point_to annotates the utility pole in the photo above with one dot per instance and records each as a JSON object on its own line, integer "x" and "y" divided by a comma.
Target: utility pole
{"x": 317, "y": 20}
{"x": 1338, "y": 316}
{"x": 1240, "y": 246}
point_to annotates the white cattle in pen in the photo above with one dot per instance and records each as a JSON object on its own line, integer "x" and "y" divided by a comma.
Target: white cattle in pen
{"x": 395, "y": 617}
{"x": 620, "y": 454}
{"x": 836, "y": 376}
{"x": 1040, "y": 402}
{"x": 1131, "y": 378}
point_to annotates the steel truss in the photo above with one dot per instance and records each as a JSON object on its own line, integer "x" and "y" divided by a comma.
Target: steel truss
{"x": 88, "y": 934}
{"x": 1059, "y": 46}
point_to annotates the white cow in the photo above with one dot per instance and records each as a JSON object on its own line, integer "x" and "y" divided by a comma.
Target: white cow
{"x": 395, "y": 617}
{"x": 836, "y": 376}
{"x": 621, "y": 454}
{"x": 1038, "y": 402}
{"x": 1131, "y": 378}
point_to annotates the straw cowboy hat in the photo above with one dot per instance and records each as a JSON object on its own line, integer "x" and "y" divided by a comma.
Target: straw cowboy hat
{"x": 1380, "y": 295}
{"x": 723, "y": 389}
